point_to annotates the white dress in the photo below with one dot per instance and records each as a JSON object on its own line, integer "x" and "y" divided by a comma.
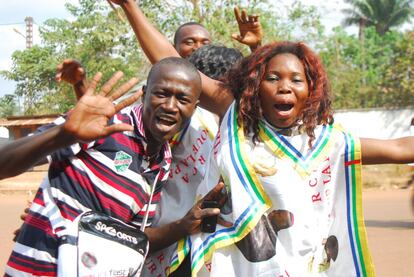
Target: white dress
{"x": 295, "y": 211}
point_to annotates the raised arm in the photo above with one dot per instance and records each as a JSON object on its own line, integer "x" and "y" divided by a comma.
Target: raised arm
{"x": 397, "y": 151}
{"x": 156, "y": 47}
{"x": 250, "y": 29}
{"x": 86, "y": 122}
{"x": 72, "y": 72}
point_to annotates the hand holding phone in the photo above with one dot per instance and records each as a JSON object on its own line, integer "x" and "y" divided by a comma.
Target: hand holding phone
{"x": 208, "y": 224}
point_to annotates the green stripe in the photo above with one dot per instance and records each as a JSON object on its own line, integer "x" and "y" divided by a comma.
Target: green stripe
{"x": 239, "y": 156}
{"x": 354, "y": 204}
{"x": 243, "y": 226}
{"x": 178, "y": 257}
{"x": 280, "y": 145}
{"x": 325, "y": 141}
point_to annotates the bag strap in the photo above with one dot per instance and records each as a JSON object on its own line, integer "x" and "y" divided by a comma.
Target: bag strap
{"x": 144, "y": 221}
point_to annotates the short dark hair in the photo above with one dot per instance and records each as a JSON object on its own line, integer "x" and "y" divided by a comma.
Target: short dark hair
{"x": 214, "y": 61}
{"x": 177, "y": 32}
{"x": 178, "y": 63}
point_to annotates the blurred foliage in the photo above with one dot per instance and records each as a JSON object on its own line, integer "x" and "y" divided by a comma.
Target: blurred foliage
{"x": 374, "y": 71}
{"x": 8, "y": 105}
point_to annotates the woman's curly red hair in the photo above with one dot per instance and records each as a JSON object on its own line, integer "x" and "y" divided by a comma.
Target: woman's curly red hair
{"x": 244, "y": 82}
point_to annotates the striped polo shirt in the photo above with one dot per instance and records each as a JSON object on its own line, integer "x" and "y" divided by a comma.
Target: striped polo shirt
{"x": 110, "y": 175}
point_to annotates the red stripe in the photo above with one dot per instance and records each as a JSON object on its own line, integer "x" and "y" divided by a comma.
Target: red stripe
{"x": 30, "y": 270}
{"x": 38, "y": 199}
{"x": 352, "y": 162}
{"x": 103, "y": 200}
{"x": 129, "y": 143}
{"x": 95, "y": 165}
{"x": 84, "y": 181}
{"x": 40, "y": 224}
{"x": 67, "y": 211}
{"x": 29, "y": 261}
{"x": 138, "y": 115}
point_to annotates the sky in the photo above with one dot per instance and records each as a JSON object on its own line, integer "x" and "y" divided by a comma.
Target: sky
{"x": 13, "y": 13}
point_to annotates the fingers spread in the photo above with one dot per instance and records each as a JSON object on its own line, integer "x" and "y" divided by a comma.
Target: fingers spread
{"x": 123, "y": 89}
{"x": 244, "y": 17}
{"x": 117, "y": 128}
{"x": 107, "y": 87}
{"x": 129, "y": 101}
{"x": 94, "y": 83}
{"x": 237, "y": 14}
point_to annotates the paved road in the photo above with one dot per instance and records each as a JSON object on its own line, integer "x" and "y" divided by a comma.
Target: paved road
{"x": 388, "y": 215}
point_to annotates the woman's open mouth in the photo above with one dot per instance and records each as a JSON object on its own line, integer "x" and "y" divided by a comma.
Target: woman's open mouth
{"x": 284, "y": 107}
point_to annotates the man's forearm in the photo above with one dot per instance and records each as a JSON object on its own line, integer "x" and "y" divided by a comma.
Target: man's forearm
{"x": 162, "y": 237}
{"x": 80, "y": 88}
{"x": 154, "y": 44}
{"x": 21, "y": 154}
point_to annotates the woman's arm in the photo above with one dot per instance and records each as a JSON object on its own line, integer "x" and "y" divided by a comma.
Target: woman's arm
{"x": 378, "y": 151}
{"x": 156, "y": 47}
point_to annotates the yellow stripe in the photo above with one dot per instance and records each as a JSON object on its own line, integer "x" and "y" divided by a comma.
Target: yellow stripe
{"x": 257, "y": 183}
{"x": 369, "y": 265}
{"x": 304, "y": 169}
{"x": 180, "y": 254}
{"x": 203, "y": 123}
{"x": 258, "y": 212}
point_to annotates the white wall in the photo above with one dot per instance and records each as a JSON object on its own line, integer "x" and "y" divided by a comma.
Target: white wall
{"x": 377, "y": 123}
{"x": 4, "y": 133}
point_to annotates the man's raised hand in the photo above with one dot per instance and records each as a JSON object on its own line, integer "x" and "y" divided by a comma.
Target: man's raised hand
{"x": 72, "y": 72}
{"x": 88, "y": 120}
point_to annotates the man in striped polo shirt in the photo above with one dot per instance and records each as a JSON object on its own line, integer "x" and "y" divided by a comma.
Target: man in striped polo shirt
{"x": 114, "y": 157}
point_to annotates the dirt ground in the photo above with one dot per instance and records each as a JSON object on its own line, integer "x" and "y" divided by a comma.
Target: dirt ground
{"x": 387, "y": 202}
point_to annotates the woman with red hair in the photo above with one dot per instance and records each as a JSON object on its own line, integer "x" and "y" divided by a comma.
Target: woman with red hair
{"x": 293, "y": 177}
{"x": 245, "y": 83}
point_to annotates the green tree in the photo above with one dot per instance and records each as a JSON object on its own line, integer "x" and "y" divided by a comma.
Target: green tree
{"x": 8, "y": 105}
{"x": 359, "y": 75}
{"x": 97, "y": 38}
{"x": 383, "y": 14}
{"x": 33, "y": 71}
{"x": 397, "y": 86}
{"x": 102, "y": 40}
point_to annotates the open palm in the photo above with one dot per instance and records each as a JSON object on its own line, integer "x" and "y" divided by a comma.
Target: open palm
{"x": 89, "y": 119}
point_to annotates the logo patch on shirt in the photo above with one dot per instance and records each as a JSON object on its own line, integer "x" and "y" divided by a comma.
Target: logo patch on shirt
{"x": 122, "y": 161}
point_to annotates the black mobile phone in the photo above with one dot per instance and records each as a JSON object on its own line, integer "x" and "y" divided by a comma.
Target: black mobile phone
{"x": 208, "y": 224}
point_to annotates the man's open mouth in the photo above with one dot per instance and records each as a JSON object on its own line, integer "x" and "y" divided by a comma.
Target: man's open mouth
{"x": 166, "y": 120}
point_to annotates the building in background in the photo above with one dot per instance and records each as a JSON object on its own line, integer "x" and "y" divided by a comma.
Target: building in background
{"x": 21, "y": 126}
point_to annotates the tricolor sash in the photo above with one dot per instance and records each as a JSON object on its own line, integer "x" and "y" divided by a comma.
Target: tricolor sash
{"x": 295, "y": 211}
{"x": 190, "y": 150}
